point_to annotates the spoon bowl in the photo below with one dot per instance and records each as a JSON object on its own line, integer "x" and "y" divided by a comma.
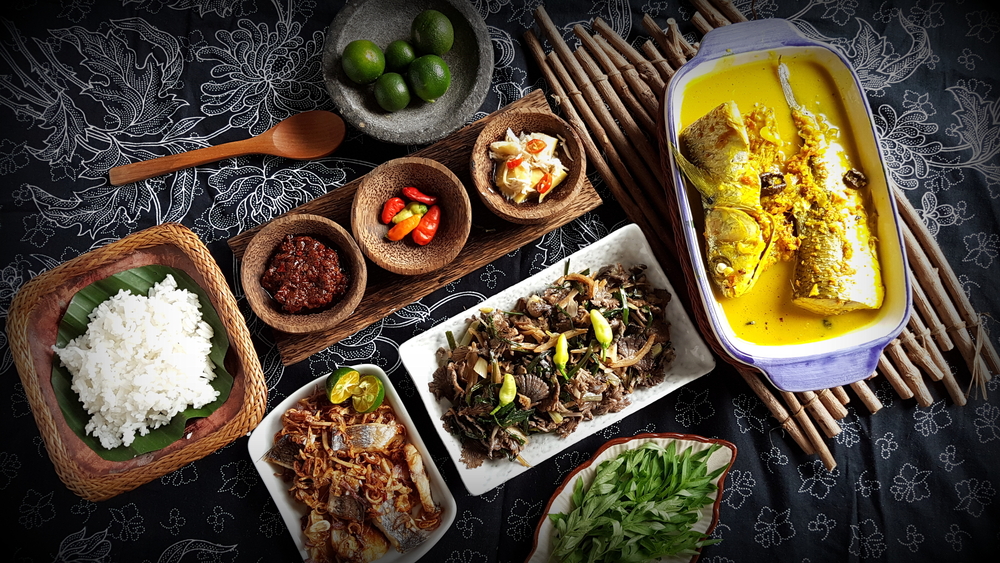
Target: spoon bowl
{"x": 304, "y": 136}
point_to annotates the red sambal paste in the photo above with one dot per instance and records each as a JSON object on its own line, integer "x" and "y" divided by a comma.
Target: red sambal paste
{"x": 304, "y": 274}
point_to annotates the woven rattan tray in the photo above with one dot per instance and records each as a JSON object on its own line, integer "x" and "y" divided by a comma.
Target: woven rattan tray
{"x": 32, "y": 328}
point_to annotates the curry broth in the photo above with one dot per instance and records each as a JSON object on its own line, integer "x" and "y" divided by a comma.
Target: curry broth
{"x": 765, "y": 315}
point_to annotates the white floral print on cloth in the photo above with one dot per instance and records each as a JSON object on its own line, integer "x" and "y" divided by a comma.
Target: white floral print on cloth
{"x": 86, "y": 86}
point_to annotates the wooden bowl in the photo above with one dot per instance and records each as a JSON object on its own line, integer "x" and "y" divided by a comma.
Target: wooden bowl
{"x": 570, "y": 153}
{"x": 404, "y": 256}
{"x": 263, "y": 246}
{"x": 33, "y": 327}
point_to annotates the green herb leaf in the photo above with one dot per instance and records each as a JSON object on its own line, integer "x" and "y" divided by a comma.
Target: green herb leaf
{"x": 640, "y": 506}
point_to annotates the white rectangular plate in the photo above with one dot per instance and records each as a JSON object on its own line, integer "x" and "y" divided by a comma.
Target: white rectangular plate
{"x": 292, "y": 511}
{"x": 627, "y": 246}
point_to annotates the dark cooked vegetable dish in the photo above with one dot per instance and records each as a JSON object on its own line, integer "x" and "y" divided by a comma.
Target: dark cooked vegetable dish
{"x": 562, "y": 356}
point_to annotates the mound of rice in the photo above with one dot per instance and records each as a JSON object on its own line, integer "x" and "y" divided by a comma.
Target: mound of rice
{"x": 141, "y": 361}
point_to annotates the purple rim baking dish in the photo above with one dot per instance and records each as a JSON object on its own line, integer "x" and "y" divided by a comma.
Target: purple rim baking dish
{"x": 839, "y": 360}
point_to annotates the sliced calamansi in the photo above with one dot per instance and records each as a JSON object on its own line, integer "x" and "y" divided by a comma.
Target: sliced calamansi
{"x": 341, "y": 383}
{"x": 369, "y": 394}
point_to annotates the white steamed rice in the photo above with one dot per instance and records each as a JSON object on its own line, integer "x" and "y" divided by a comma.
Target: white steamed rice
{"x": 141, "y": 361}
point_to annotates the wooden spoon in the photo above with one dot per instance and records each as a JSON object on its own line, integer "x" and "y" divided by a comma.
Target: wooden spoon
{"x": 311, "y": 134}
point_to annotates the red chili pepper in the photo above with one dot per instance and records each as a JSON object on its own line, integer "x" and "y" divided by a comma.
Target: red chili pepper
{"x": 391, "y": 208}
{"x": 428, "y": 226}
{"x": 403, "y": 228}
{"x": 416, "y": 195}
{"x": 545, "y": 184}
{"x": 514, "y": 163}
{"x": 535, "y": 146}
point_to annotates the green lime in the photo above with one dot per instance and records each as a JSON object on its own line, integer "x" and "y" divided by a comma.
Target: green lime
{"x": 398, "y": 55}
{"x": 391, "y": 92}
{"x": 430, "y": 77}
{"x": 363, "y": 61}
{"x": 341, "y": 383}
{"x": 369, "y": 394}
{"x": 432, "y": 32}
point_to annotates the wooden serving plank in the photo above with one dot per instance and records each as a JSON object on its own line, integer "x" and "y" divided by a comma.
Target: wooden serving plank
{"x": 489, "y": 239}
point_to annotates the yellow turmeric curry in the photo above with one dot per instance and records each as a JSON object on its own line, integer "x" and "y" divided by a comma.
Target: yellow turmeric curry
{"x": 766, "y": 315}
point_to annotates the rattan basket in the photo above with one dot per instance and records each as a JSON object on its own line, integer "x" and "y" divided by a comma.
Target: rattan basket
{"x": 32, "y": 327}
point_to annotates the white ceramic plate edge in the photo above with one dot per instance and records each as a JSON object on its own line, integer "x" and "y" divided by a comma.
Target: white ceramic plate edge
{"x": 626, "y": 245}
{"x": 292, "y": 512}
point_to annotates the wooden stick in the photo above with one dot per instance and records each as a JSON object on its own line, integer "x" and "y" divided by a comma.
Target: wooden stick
{"x": 909, "y": 373}
{"x": 631, "y": 143}
{"x": 553, "y": 73}
{"x": 713, "y": 16}
{"x": 892, "y": 376}
{"x": 777, "y": 410}
{"x": 947, "y": 377}
{"x": 670, "y": 42}
{"x": 923, "y": 336}
{"x": 642, "y": 215}
{"x": 656, "y": 58}
{"x": 947, "y": 275}
{"x": 954, "y": 390}
{"x": 675, "y": 35}
{"x": 817, "y": 441}
{"x": 728, "y": 10}
{"x": 867, "y": 396}
{"x": 840, "y": 394}
{"x": 931, "y": 281}
{"x": 919, "y": 355}
{"x": 929, "y": 344}
{"x": 646, "y": 124}
{"x": 634, "y": 133}
{"x": 926, "y": 310}
{"x": 701, "y": 24}
{"x": 672, "y": 49}
{"x": 614, "y": 77}
{"x": 565, "y": 102}
{"x": 832, "y": 404}
{"x": 635, "y": 149}
{"x": 632, "y": 76}
{"x": 646, "y": 69}
{"x": 819, "y": 413}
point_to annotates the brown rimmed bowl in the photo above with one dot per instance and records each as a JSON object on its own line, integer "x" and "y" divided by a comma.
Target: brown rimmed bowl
{"x": 570, "y": 153}
{"x": 263, "y": 246}
{"x": 404, "y": 256}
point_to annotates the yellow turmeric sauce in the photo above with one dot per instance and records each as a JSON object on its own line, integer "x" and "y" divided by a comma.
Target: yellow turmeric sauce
{"x": 765, "y": 315}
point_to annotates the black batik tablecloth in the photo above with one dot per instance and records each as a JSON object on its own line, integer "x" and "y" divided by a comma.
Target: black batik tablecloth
{"x": 88, "y": 85}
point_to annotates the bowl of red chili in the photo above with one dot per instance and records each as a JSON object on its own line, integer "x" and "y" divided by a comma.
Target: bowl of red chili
{"x": 303, "y": 273}
{"x": 411, "y": 215}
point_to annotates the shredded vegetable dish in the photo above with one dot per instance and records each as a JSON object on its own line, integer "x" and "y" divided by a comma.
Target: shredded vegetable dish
{"x": 363, "y": 482}
{"x": 559, "y": 357}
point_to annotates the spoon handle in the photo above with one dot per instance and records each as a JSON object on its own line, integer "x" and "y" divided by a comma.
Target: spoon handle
{"x": 142, "y": 170}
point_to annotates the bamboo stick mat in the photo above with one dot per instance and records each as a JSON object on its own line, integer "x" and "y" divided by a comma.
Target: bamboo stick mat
{"x": 612, "y": 92}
